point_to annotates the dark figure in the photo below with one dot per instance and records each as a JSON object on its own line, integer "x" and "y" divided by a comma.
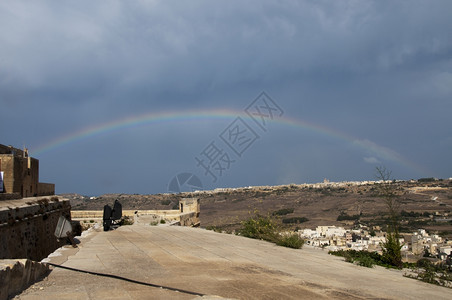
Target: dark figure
{"x": 117, "y": 211}
{"x": 107, "y": 217}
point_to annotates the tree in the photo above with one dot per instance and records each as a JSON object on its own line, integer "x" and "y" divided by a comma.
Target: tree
{"x": 387, "y": 190}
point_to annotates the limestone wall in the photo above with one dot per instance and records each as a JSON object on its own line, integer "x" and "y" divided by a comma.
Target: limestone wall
{"x": 17, "y": 274}
{"x": 21, "y": 175}
{"x": 46, "y": 189}
{"x": 27, "y": 226}
{"x": 187, "y": 215}
{"x": 189, "y": 219}
{"x": 190, "y": 210}
{"x": 98, "y": 214}
{"x": 7, "y": 163}
{"x": 9, "y": 196}
{"x": 189, "y": 205}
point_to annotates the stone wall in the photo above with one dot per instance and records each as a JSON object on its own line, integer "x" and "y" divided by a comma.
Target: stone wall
{"x": 46, "y": 189}
{"x": 187, "y": 215}
{"x": 190, "y": 210}
{"x": 9, "y": 196}
{"x": 21, "y": 173}
{"x": 7, "y": 163}
{"x": 17, "y": 274}
{"x": 189, "y": 219}
{"x": 27, "y": 226}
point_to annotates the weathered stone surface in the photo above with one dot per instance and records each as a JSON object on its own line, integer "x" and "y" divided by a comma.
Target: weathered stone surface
{"x": 27, "y": 227}
{"x": 17, "y": 274}
{"x": 21, "y": 174}
{"x": 211, "y": 263}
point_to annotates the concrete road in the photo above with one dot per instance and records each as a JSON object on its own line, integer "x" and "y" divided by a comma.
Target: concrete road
{"x": 187, "y": 263}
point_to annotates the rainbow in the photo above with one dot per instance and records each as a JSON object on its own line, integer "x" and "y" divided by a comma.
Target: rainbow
{"x": 200, "y": 115}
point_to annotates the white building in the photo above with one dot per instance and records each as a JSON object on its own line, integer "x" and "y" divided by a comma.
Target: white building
{"x": 445, "y": 249}
{"x": 330, "y": 231}
{"x": 309, "y": 233}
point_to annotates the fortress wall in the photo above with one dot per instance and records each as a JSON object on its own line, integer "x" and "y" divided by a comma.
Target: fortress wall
{"x": 187, "y": 215}
{"x": 189, "y": 219}
{"x": 27, "y": 226}
{"x": 7, "y": 163}
{"x": 46, "y": 189}
{"x": 18, "y": 274}
{"x": 190, "y": 210}
{"x": 98, "y": 214}
{"x": 9, "y": 196}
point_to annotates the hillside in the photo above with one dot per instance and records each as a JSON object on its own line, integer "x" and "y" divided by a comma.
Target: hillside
{"x": 321, "y": 204}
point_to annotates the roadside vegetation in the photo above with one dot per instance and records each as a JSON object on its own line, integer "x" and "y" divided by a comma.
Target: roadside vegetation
{"x": 424, "y": 270}
{"x": 362, "y": 258}
{"x": 391, "y": 247}
{"x": 267, "y": 228}
{"x": 283, "y": 212}
{"x": 126, "y": 220}
{"x": 290, "y": 240}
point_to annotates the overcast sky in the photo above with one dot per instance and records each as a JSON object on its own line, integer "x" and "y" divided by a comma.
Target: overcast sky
{"x": 124, "y": 96}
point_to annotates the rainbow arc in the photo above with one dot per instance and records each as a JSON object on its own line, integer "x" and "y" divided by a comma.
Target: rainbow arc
{"x": 197, "y": 116}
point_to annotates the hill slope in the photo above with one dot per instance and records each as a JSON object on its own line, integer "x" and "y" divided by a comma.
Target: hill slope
{"x": 320, "y": 203}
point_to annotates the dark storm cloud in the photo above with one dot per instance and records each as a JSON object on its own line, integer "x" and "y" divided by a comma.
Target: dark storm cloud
{"x": 94, "y": 46}
{"x": 378, "y": 70}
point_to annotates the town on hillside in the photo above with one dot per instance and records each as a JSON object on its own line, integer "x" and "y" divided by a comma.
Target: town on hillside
{"x": 414, "y": 245}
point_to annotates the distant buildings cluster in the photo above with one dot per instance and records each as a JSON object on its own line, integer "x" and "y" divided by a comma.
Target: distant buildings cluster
{"x": 414, "y": 245}
{"x": 320, "y": 185}
{"x": 337, "y": 238}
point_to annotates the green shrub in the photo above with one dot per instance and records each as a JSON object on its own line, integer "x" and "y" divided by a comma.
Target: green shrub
{"x": 365, "y": 261}
{"x": 424, "y": 263}
{"x": 266, "y": 228}
{"x": 429, "y": 271}
{"x": 295, "y": 220}
{"x": 214, "y": 228}
{"x": 162, "y": 221}
{"x": 410, "y": 214}
{"x": 259, "y": 227}
{"x": 348, "y": 257}
{"x": 290, "y": 240}
{"x": 427, "y": 179}
{"x": 127, "y": 221}
{"x": 282, "y": 212}
{"x": 391, "y": 250}
{"x": 362, "y": 258}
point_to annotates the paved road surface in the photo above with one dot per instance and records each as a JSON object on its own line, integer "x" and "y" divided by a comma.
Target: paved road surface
{"x": 209, "y": 263}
